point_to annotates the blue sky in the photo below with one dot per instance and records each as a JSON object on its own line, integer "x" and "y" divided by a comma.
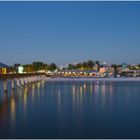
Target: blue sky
{"x": 64, "y": 32}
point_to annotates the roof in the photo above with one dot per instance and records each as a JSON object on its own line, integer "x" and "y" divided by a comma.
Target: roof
{"x": 106, "y": 66}
{"x": 3, "y": 65}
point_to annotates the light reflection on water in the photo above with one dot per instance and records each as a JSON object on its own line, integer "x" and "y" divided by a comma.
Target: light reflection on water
{"x": 69, "y": 109}
{"x": 13, "y": 105}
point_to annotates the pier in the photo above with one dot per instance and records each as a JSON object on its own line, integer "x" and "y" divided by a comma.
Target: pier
{"x": 20, "y": 80}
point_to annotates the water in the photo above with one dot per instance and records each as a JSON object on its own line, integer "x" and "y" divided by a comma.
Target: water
{"x": 71, "y": 109}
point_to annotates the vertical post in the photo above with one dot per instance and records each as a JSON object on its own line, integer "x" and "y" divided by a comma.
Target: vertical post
{"x": 22, "y": 81}
{"x": 18, "y": 83}
{"x": 25, "y": 81}
{"x": 31, "y": 79}
{"x": 12, "y": 84}
{"x": 28, "y": 80}
{"x": 5, "y": 85}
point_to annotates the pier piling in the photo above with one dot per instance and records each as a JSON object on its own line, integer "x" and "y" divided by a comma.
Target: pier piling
{"x": 12, "y": 84}
{"x": 18, "y": 81}
{"x": 5, "y": 85}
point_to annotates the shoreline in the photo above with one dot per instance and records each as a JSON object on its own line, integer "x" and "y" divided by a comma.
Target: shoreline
{"x": 130, "y": 79}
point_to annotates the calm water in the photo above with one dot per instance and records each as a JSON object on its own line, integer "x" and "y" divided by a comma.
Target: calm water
{"x": 71, "y": 109}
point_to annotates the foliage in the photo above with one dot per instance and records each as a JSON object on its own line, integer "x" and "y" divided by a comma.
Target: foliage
{"x": 87, "y": 65}
{"x": 123, "y": 73}
{"x": 52, "y": 67}
{"x": 16, "y": 67}
{"x": 38, "y": 66}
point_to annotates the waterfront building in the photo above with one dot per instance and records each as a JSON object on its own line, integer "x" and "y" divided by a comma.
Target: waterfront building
{"x": 124, "y": 66}
{"x": 95, "y": 67}
{"x": 132, "y": 73}
{"x": 3, "y": 68}
{"x": 104, "y": 68}
{"x": 61, "y": 67}
{"x": 78, "y": 73}
{"x": 20, "y": 69}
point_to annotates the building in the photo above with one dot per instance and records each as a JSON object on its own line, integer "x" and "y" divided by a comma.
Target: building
{"x": 132, "y": 73}
{"x": 124, "y": 66}
{"x": 78, "y": 73}
{"x": 104, "y": 68}
{"x": 20, "y": 69}
{"x": 3, "y": 68}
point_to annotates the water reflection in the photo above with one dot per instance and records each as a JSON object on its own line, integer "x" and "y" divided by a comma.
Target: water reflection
{"x": 91, "y": 87}
{"x": 99, "y": 93}
{"x": 73, "y": 97}
{"x": 38, "y": 87}
{"x": 12, "y": 112}
{"x": 81, "y": 95}
{"x": 25, "y": 99}
{"x": 33, "y": 91}
{"x": 103, "y": 88}
{"x": 13, "y": 106}
{"x": 3, "y": 107}
{"x": 67, "y": 104}
{"x": 42, "y": 87}
{"x": 96, "y": 88}
{"x": 59, "y": 100}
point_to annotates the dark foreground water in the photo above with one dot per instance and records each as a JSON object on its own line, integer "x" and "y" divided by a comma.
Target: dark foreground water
{"x": 69, "y": 109}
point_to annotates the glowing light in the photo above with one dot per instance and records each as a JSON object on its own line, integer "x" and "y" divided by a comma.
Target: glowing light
{"x": 91, "y": 88}
{"x": 13, "y": 109}
{"x": 33, "y": 90}
{"x": 38, "y": 84}
{"x": 25, "y": 99}
{"x": 84, "y": 86}
{"x": 59, "y": 100}
{"x": 73, "y": 89}
{"x": 81, "y": 90}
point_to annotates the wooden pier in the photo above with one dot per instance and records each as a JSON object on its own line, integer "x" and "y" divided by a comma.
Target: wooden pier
{"x": 20, "y": 80}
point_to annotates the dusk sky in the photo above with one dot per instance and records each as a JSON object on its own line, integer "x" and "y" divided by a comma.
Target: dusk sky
{"x": 66, "y": 32}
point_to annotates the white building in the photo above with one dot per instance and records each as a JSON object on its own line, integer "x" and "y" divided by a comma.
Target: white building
{"x": 20, "y": 69}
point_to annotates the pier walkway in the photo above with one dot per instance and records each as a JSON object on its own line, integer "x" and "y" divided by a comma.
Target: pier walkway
{"x": 21, "y": 80}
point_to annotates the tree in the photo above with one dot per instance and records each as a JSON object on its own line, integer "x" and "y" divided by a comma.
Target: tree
{"x": 70, "y": 67}
{"x": 97, "y": 62}
{"x": 38, "y": 66}
{"x": 116, "y": 72}
{"x": 85, "y": 65}
{"x": 123, "y": 73}
{"x": 114, "y": 66}
{"x": 90, "y": 64}
{"x": 16, "y": 67}
{"x": 52, "y": 67}
{"x": 28, "y": 68}
{"x": 79, "y": 65}
{"x": 139, "y": 66}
